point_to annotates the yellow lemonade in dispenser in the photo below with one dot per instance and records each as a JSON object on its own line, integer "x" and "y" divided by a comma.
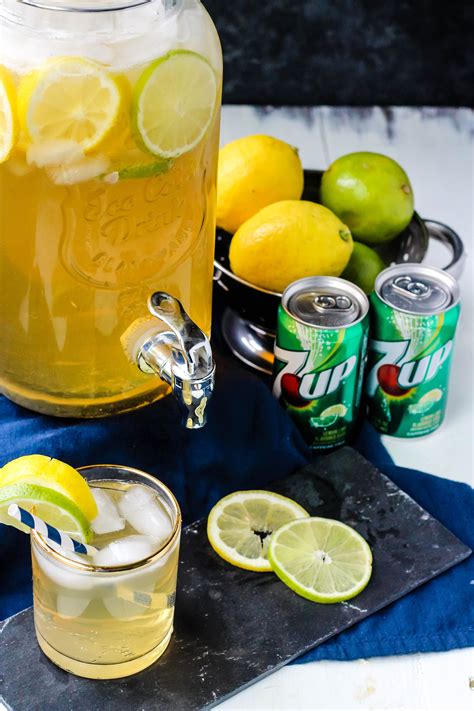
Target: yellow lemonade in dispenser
{"x": 107, "y": 192}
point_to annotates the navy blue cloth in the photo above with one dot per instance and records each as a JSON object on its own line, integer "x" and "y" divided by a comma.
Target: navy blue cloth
{"x": 248, "y": 442}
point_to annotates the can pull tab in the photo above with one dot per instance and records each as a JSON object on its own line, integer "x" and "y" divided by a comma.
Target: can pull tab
{"x": 413, "y": 288}
{"x": 325, "y": 302}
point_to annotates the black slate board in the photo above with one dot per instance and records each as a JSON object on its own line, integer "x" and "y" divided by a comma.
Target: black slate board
{"x": 233, "y": 627}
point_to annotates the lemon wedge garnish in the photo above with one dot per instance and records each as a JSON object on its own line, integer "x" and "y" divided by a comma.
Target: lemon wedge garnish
{"x": 50, "y": 489}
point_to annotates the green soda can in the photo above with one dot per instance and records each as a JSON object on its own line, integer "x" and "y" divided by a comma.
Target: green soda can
{"x": 320, "y": 354}
{"x": 415, "y": 310}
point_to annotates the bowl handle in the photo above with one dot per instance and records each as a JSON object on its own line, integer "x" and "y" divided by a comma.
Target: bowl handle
{"x": 447, "y": 236}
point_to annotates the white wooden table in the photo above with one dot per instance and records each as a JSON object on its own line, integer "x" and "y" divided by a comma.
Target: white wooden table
{"x": 436, "y": 149}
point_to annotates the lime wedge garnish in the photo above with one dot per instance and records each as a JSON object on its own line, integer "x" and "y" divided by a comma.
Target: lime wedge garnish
{"x": 174, "y": 103}
{"x": 49, "y": 489}
{"x": 47, "y": 504}
{"x": 321, "y": 559}
{"x": 240, "y": 526}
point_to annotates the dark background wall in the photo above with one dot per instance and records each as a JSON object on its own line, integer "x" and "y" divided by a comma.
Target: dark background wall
{"x": 347, "y": 52}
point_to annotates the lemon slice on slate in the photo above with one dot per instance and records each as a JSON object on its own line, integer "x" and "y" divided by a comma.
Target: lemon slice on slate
{"x": 241, "y": 525}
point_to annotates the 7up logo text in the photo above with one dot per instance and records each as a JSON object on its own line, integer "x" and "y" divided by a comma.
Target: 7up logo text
{"x": 318, "y": 377}
{"x": 308, "y": 385}
{"x": 396, "y": 370}
{"x": 409, "y": 362}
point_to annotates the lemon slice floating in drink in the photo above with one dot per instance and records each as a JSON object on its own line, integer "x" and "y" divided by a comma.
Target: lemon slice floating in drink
{"x": 240, "y": 526}
{"x": 8, "y": 121}
{"x": 174, "y": 103}
{"x": 70, "y": 99}
{"x": 51, "y": 490}
{"x": 321, "y": 559}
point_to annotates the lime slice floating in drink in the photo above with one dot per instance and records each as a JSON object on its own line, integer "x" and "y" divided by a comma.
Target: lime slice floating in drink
{"x": 174, "y": 103}
{"x": 321, "y": 559}
{"x": 8, "y": 123}
{"x": 240, "y": 526}
{"x": 49, "y": 489}
{"x": 146, "y": 170}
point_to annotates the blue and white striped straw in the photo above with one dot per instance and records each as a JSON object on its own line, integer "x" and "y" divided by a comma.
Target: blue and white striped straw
{"x": 49, "y": 532}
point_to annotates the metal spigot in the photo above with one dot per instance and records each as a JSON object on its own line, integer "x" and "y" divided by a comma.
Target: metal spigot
{"x": 181, "y": 355}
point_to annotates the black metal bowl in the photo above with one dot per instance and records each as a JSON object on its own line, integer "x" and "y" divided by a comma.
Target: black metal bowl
{"x": 249, "y": 323}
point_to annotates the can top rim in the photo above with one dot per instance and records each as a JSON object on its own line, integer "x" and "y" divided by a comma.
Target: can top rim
{"x": 411, "y": 268}
{"x": 346, "y": 286}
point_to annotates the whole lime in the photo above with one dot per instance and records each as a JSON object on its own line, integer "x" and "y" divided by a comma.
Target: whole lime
{"x": 370, "y": 193}
{"x": 363, "y": 267}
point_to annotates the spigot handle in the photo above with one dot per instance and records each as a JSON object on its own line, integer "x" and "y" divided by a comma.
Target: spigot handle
{"x": 178, "y": 351}
{"x": 192, "y": 350}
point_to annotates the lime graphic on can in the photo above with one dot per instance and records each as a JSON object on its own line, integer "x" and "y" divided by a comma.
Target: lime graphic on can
{"x": 426, "y": 402}
{"x": 415, "y": 310}
{"x": 329, "y": 416}
{"x": 320, "y": 353}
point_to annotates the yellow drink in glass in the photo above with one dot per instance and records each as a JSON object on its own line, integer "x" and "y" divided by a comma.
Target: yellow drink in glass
{"x": 112, "y": 615}
{"x": 86, "y": 235}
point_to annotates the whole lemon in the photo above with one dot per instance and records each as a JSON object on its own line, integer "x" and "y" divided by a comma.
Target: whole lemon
{"x": 289, "y": 240}
{"x": 254, "y": 172}
{"x": 371, "y": 193}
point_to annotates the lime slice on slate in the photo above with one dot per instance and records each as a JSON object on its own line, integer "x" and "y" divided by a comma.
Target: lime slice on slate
{"x": 320, "y": 559}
